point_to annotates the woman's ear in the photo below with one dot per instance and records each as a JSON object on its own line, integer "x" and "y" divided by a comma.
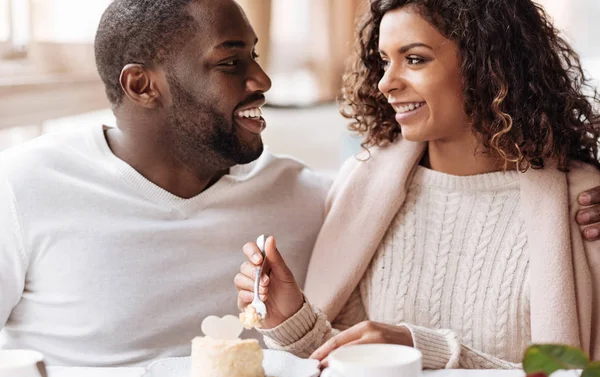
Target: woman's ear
{"x": 138, "y": 85}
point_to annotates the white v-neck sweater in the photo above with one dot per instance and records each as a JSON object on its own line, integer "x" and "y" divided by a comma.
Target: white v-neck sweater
{"x": 100, "y": 267}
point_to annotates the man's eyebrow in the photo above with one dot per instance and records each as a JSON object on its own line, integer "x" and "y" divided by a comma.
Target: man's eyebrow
{"x": 233, "y": 44}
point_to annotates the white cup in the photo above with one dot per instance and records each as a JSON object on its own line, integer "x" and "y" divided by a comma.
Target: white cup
{"x": 374, "y": 360}
{"x": 22, "y": 363}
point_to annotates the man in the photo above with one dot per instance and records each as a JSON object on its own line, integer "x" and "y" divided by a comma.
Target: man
{"x": 118, "y": 242}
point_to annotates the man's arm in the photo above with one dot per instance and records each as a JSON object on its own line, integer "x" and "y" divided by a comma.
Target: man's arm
{"x": 13, "y": 256}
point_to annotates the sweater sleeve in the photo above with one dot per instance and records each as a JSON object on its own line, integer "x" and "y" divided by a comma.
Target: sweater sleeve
{"x": 308, "y": 329}
{"x": 442, "y": 349}
{"x": 13, "y": 262}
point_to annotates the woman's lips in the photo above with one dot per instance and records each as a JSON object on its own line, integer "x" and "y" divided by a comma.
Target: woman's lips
{"x": 403, "y": 116}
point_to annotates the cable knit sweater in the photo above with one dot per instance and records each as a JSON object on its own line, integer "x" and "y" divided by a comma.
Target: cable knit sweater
{"x": 452, "y": 258}
{"x": 562, "y": 270}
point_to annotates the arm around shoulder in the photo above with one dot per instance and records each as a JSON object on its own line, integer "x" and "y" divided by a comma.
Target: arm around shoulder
{"x": 586, "y": 261}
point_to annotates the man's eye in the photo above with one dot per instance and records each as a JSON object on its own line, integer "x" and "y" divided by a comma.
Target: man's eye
{"x": 232, "y": 63}
{"x": 255, "y": 56}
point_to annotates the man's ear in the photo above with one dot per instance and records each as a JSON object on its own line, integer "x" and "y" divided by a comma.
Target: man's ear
{"x": 139, "y": 86}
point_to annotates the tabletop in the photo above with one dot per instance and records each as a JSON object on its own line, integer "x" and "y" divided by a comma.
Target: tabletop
{"x": 139, "y": 372}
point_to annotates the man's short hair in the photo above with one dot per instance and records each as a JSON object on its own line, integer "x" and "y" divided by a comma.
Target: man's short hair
{"x": 142, "y": 32}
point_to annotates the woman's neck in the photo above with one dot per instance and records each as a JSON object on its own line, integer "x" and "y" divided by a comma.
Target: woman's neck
{"x": 460, "y": 157}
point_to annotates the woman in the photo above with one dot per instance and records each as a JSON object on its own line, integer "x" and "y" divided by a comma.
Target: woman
{"x": 454, "y": 233}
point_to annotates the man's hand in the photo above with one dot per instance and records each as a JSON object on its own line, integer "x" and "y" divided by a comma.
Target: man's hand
{"x": 278, "y": 288}
{"x": 365, "y": 333}
{"x": 591, "y": 214}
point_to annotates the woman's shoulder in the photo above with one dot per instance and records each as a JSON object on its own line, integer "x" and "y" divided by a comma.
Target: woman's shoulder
{"x": 378, "y": 169}
{"x": 582, "y": 177}
{"x": 400, "y": 152}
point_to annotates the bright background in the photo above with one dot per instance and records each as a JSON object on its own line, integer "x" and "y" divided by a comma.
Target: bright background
{"x": 48, "y": 80}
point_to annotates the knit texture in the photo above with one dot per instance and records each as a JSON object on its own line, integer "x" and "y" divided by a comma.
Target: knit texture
{"x": 452, "y": 267}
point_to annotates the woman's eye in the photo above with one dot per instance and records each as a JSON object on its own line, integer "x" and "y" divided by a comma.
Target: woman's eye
{"x": 385, "y": 64}
{"x": 414, "y": 60}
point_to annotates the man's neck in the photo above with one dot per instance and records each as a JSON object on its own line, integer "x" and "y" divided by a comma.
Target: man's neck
{"x": 460, "y": 157}
{"x": 159, "y": 166}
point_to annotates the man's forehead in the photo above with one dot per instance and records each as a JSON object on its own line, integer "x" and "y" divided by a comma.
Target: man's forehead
{"x": 221, "y": 20}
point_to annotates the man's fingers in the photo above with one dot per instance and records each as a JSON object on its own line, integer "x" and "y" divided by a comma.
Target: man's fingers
{"x": 592, "y": 232}
{"x": 253, "y": 253}
{"x": 588, "y": 215}
{"x": 590, "y": 197}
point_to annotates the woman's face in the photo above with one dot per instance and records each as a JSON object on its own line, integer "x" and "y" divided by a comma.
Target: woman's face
{"x": 422, "y": 79}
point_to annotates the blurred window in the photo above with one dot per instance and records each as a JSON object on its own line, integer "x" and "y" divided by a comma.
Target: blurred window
{"x": 4, "y": 21}
{"x": 15, "y": 28}
{"x": 307, "y": 39}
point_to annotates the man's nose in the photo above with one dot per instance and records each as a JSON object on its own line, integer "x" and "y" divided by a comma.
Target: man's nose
{"x": 258, "y": 80}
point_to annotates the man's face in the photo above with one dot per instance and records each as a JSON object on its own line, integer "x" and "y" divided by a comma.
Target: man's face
{"x": 216, "y": 91}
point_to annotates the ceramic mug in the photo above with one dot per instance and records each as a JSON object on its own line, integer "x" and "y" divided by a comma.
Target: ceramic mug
{"x": 369, "y": 360}
{"x": 22, "y": 363}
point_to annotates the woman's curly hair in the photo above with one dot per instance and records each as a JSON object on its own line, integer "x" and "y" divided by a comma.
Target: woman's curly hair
{"x": 524, "y": 87}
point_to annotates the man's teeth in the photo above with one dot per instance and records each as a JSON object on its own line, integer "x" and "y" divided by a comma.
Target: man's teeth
{"x": 255, "y": 112}
{"x": 409, "y": 107}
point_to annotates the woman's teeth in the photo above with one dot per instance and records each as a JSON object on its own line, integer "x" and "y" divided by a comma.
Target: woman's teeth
{"x": 255, "y": 112}
{"x": 409, "y": 107}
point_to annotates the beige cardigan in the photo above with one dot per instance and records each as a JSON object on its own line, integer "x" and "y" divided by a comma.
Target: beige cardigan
{"x": 564, "y": 269}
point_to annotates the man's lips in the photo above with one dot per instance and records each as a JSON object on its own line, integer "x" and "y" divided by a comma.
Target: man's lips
{"x": 253, "y": 102}
{"x": 255, "y": 126}
{"x": 250, "y": 119}
{"x": 249, "y": 115}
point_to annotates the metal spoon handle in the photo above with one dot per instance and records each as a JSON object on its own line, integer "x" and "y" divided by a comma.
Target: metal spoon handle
{"x": 260, "y": 242}
{"x": 259, "y": 270}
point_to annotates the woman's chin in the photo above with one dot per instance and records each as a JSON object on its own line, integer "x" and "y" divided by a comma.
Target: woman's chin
{"x": 412, "y": 134}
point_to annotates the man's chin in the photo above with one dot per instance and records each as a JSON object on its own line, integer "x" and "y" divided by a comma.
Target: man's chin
{"x": 249, "y": 154}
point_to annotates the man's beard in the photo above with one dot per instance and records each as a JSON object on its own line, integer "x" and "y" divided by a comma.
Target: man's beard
{"x": 201, "y": 137}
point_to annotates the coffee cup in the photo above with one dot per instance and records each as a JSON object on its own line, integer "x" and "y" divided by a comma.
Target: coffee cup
{"x": 369, "y": 360}
{"x": 22, "y": 363}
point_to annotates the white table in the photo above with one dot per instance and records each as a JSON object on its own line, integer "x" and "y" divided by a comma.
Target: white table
{"x": 95, "y": 372}
{"x": 138, "y": 372}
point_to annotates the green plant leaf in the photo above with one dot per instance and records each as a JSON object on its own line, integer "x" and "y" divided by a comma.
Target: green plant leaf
{"x": 592, "y": 370}
{"x": 548, "y": 358}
